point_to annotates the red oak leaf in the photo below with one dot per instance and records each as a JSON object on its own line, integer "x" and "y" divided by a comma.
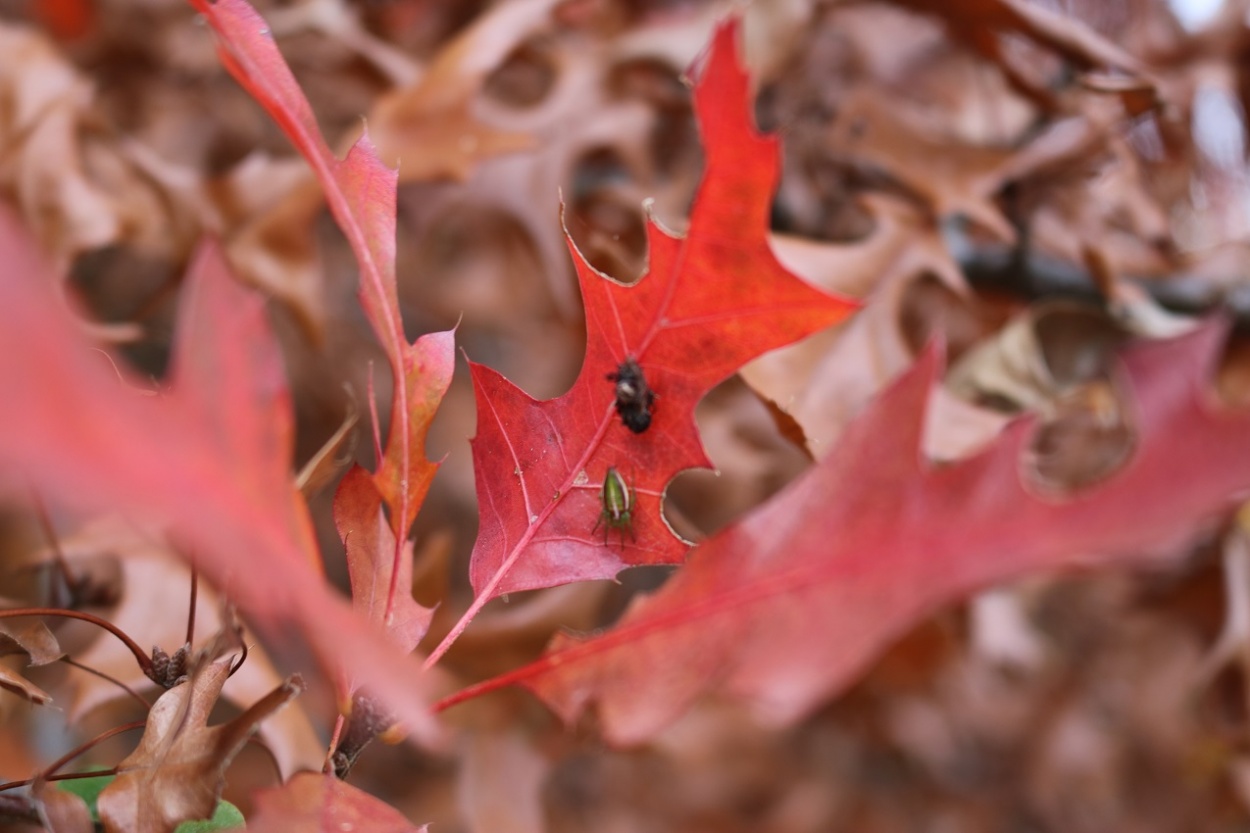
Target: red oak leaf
{"x": 360, "y": 192}
{"x": 315, "y": 803}
{"x": 785, "y": 608}
{"x": 710, "y": 301}
{"x": 210, "y": 459}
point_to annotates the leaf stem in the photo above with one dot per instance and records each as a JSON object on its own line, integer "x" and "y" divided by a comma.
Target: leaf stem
{"x": 145, "y": 662}
{"x": 69, "y": 661}
{"x": 483, "y": 687}
{"x": 328, "y": 767}
{"x": 195, "y": 583}
{"x": 49, "y": 773}
{"x": 64, "y": 776}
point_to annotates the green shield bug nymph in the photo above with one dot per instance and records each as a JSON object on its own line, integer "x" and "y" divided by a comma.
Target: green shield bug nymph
{"x": 618, "y": 506}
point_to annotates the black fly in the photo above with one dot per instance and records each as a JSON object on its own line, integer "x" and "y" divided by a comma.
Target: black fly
{"x": 633, "y": 398}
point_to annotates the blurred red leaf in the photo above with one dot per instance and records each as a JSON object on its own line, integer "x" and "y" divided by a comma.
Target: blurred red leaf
{"x": 785, "y": 608}
{"x": 315, "y": 803}
{"x": 67, "y": 19}
{"x": 210, "y": 458}
{"x": 711, "y": 300}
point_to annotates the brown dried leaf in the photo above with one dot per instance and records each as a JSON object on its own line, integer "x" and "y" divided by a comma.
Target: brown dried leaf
{"x": 155, "y": 592}
{"x": 60, "y": 810}
{"x": 981, "y": 22}
{"x": 73, "y": 183}
{"x": 12, "y": 681}
{"x": 46, "y": 100}
{"x": 178, "y": 771}
{"x": 824, "y": 380}
{"x": 330, "y": 460}
{"x": 430, "y": 126}
{"x": 578, "y": 114}
{"x": 31, "y": 637}
{"x": 954, "y": 177}
{"x": 1039, "y": 356}
{"x": 427, "y": 128}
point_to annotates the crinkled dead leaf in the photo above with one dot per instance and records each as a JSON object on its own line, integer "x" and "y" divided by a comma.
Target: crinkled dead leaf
{"x": 315, "y": 803}
{"x": 580, "y": 114}
{"x": 71, "y": 180}
{"x": 952, "y": 176}
{"x": 431, "y": 128}
{"x": 152, "y": 605}
{"x": 823, "y": 381}
{"x": 330, "y": 460}
{"x": 983, "y": 23}
{"x": 12, "y": 681}
{"x": 1049, "y": 350}
{"x": 32, "y": 639}
{"x": 178, "y": 771}
{"x": 48, "y": 102}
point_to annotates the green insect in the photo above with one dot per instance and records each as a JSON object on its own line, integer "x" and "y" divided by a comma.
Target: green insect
{"x": 618, "y": 506}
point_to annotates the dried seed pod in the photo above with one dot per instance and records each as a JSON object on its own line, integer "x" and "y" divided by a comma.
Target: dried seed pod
{"x": 633, "y": 397}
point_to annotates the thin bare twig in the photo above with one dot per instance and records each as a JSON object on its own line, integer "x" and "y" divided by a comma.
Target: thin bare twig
{"x": 145, "y": 662}
{"x": 68, "y": 661}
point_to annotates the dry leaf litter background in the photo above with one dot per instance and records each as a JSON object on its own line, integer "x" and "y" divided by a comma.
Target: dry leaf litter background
{"x": 1037, "y": 184}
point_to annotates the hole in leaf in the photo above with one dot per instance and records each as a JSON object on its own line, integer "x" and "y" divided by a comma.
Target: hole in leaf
{"x": 1086, "y": 440}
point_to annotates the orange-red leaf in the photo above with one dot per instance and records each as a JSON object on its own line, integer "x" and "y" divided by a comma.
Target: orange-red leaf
{"x": 379, "y": 593}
